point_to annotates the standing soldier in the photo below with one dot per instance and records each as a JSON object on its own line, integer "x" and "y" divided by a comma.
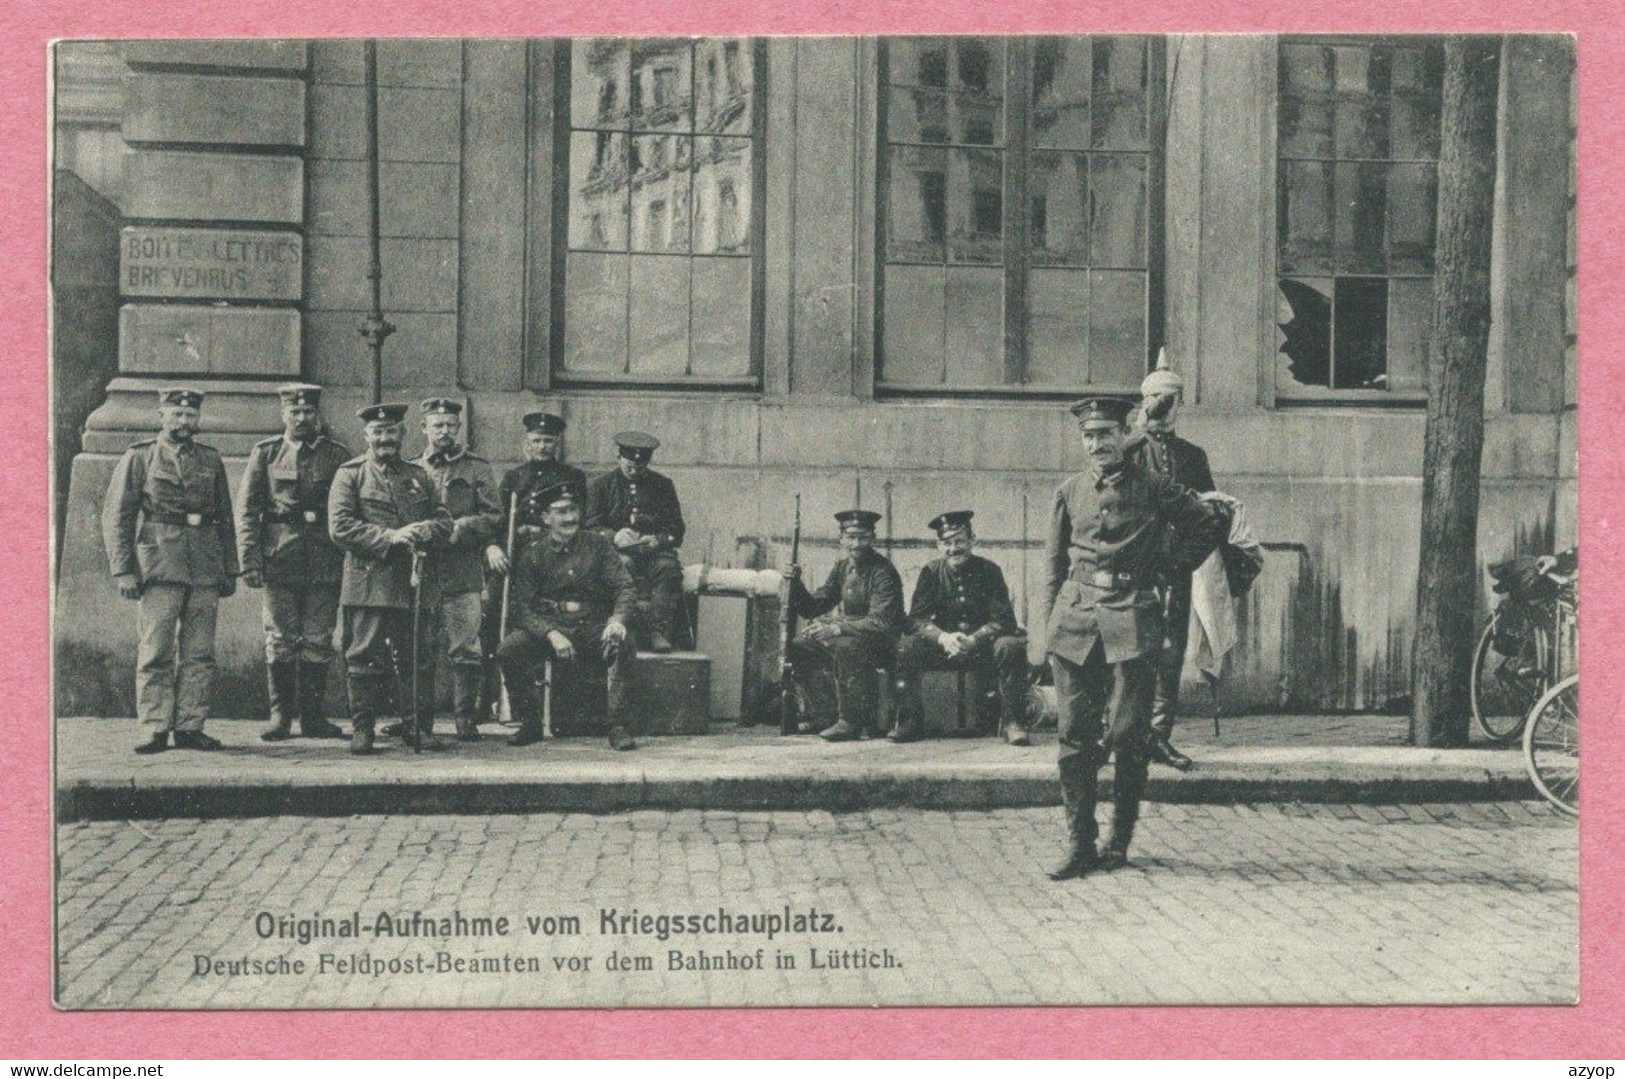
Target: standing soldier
{"x": 541, "y": 469}
{"x": 962, "y": 620}
{"x": 1158, "y": 449}
{"x": 282, "y": 535}
{"x": 571, "y": 599}
{"x": 1105, "y": 552}
{"x": 637, "y": 509}
{"x": 382, "y": 511}
{"x": 166, "y": 523}
{"x": 857, "y": 618}
{"x": 467, "y": 489}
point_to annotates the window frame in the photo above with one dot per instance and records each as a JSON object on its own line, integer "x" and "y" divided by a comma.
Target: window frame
{"x": 1017, "y": 261}
{"x": 545, "y": 372}
{"x": 1279, "y": 388}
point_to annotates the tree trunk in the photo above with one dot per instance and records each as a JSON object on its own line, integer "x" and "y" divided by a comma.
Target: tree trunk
{"x": 1448, "y": 577}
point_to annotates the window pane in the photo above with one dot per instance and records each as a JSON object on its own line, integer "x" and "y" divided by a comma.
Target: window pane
{"x": 594, "y": 313}
{"x": 916, "y": 302}
{"x": 1303, "y": 311}
{"x": 1360, "y": 334}
{"x": 1412, "y": 201}
{"x": 1058, "y": 189}
{"x": 1057, "y": 328}
{"x": 662, "y": 85}
{"x": 978, "y": 65}
{"x": 1304, "y": 216}
{"x": 1306, "y": 126}
{"x": 1361, "y": 211}
{"x": 916, "y": 115}
{"x": 1410, "y": 315}
{"x": 1060, "y": 94}
{"x": 658, "y": 338}
{"x": 1416, "y": 126}
{"x": 1119, "y": 93}
{"x": 1362, "y": 104}
{"x": 660, "y": 192}
{"x": 721, "y": 321}
{"x": 975, "y": 206}
{"x": 1117, "y": 210}
{"x": 724, "y": 84}
{"x": 917, "y": 204}
{"x": 974, "y": 347}
{"x": 1306, "y": 69}
{"x": 722, "y": 187}
{"x": 598, "y": 190}
{"x": 917, "y": 61}
{"x": 978, "y": 119}
{"x": 1116, "y": 328}
{"x": 600, "y": 77}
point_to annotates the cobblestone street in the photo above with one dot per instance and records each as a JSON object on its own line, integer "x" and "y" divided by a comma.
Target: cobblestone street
{"x": 1473, "y": 903}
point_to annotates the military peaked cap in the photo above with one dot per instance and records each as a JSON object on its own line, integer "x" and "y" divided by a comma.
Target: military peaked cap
{"x": 564, "y": 491}
{"x": 1102, "y": 411}
{"x": 441, "y": 406}
{"x": 545, "y": 422}
{"x": 637, "y": 445}
{"x": 390, "y": 413}
{"x": 181, "y": 395}
{"x": 857, "y": 518}
{"x": 299, "y": 393}
{"x": 948, "y": 522}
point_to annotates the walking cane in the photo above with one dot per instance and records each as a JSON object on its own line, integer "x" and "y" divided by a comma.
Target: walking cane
{"x": 547, "y": 697}
{"x": 417, "y": 618}
{"x": 504, "y": 708}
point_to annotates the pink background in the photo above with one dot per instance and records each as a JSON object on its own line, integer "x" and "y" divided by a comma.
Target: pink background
{"x": 30, "y": 1028}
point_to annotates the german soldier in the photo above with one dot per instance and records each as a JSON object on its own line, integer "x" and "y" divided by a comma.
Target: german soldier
{"x": 637, "y": 509}
{"x": 1106, "y": 549}
{"x": 166, "y": 523}
{"x": 570, "y": 601}
{"x": 540, "y": 470}
{"x": 1157, "y": 449}
{"x": 382, "y": 510}
{"x": 282, "y": 535}
{"x": 857, "y": 618}
{"x": 961, "y": 619}
{"x": 466, "y": 487}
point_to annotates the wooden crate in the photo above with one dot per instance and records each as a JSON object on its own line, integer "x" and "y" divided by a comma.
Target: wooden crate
{"x": 674, "y": 693}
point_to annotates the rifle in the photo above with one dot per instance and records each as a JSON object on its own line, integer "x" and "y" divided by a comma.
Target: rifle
{"x": 547, "y": 697}
{"x": 787, "y": 630}
{"x": 504, "y": 708}
{"x": 417, "y": 621}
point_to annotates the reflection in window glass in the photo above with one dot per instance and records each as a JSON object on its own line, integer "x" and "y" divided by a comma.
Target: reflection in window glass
{"x": 661, "y": 165}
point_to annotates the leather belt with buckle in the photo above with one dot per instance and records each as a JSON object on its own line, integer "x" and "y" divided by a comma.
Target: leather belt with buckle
{"x": 1112, "y": 581}
{"x": 570, "y": 606}
{"x": 195, "y": 520}
{"x": 310, "y": 517}
{"x": 191, "y": 520}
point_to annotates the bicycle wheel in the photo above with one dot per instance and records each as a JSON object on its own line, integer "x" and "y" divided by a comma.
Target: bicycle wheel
{"x": 1504, "y": 688}
{"x": 1551, "y": 745}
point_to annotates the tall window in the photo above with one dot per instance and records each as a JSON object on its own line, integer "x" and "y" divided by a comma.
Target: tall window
{"x": 1357, "y": 194}
{"x": 1016, "y": 192}
{"x": 663, "y": 180}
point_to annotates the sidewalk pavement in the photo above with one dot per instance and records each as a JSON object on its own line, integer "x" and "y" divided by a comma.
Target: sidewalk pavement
{"x": 1255, "y": 759}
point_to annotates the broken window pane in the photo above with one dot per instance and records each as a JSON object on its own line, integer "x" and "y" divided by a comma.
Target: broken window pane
{"x": 1360, "y": 334}
{"x": 1303, "y": 313}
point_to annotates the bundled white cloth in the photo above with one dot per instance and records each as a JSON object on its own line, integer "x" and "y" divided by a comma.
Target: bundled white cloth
{"x": 1213, "y": 608}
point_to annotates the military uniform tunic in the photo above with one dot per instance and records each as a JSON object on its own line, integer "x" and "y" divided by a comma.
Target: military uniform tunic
{"x": 863, "y": 596}
{"x": 972, "y": 599}
{"x": 282, "y": 535}
{"x": 466, "y": 487}
{"x": 647, "y": 505}
{"x": 527, "y": 480}
{"x": 575, "y": 590}
{"x": 167, "y": 523}
{"x": 1186, "y": 464}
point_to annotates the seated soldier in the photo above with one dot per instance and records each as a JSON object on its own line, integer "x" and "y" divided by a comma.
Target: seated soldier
{"x": 857, "y": 616}
{"x": 570, "y": 599}
{"x": 636, "y": 508}
{"x": 962, "y": 620}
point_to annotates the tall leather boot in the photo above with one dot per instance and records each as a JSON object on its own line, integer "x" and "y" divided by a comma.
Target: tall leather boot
{"x": 910, "y": 711}
{"x": 280, "y": 678}
{"x": 465, "y": 692}
{"x": 1080, "y": 788}
{"x": 419, "y": 732}
{"x": 526, "y": 706}
{"x": 366, "y": 696}
{"x": 313, "y": 702}
{"x": 1128, "y": 787}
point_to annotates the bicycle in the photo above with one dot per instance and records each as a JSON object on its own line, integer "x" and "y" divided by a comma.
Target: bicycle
{"x": 1551, "y": 731}
{"x": 1519, "y": 654}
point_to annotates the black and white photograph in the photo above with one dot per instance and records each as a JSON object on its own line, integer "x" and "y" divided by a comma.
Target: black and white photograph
{"x": 782, "y": 521}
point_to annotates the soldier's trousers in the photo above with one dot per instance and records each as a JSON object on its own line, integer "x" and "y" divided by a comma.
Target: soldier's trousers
{"x": 378, "y": 650}
{"x": 1177, "y": 619}
{"x": 1105, "y": 708}
{"x": 845, "y": 665}
{"x": 299, "y": 621}
{"x": 456, "y": 626}
{"x": 174, "y": 670}
{"x": 1005, "y": 661}
{"x": 659, "y": 579}
{"x": 576, "y": 681}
